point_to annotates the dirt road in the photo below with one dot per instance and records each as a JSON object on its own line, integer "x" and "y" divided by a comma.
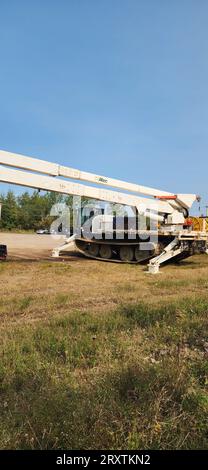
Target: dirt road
{"x": 30, "y": 246}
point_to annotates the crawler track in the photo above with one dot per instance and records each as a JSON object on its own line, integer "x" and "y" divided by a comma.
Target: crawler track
{"x": 117, "y": 251}
{"x": 126, "y": 251}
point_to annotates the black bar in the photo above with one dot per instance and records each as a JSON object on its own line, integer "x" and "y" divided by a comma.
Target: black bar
{"x": 87, "y": 459}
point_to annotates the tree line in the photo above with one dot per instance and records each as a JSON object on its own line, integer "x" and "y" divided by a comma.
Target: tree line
{"x": 29, "y": 211}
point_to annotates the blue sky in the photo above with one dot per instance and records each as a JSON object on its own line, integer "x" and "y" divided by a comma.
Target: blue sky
{"x": 117, "y": 87}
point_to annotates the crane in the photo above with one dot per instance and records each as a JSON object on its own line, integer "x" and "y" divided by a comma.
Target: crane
{"x": 172, "y": 239}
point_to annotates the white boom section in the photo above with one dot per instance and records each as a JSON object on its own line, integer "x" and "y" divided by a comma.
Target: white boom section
{"x": 48, "y": 183}
{"x": 54, "y": 169}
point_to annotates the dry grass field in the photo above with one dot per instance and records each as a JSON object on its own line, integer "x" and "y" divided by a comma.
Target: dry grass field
{"x": 103, "y": 355}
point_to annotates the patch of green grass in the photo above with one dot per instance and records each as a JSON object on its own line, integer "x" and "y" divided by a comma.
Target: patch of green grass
{"x": 126, "y": 287}
{"x": 132, "y": 378}
{"x": 171, "y": 283}
{"x": 16, "y": 305}
{"x": 24, "y": 303}
{"x": 57, "y": 267}
{"x": 2, "y": 267}
{"x": 202, "y": 282}
{"x": 62, "y": 300}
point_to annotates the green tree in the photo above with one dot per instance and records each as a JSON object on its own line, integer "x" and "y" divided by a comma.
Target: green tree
{"x": 9, "y": 215}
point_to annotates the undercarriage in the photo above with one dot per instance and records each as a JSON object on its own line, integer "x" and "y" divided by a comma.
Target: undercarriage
{"x": 156, "y": 250}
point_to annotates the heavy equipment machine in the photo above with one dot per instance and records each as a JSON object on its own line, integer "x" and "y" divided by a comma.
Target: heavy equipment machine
{"x": 172, "y": 238}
